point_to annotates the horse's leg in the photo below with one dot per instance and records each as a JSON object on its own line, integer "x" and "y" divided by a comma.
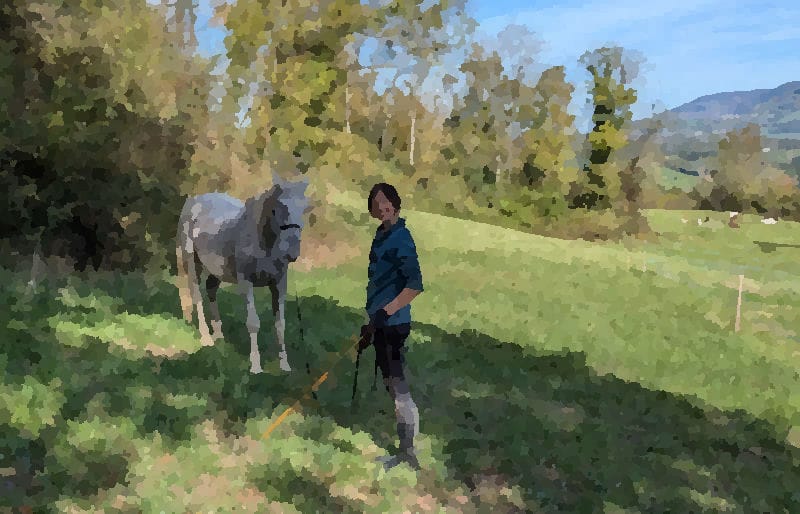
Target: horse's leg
{"x": 278, "y": 309}
{"x": 197, "y": 297}
{"x": 253, "y": 324}
{"x": 182, "y": 255}
{"x": 212, "y": 286}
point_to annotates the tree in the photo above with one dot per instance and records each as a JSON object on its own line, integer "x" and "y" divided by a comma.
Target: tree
{"x": 296, "y": 51}
{"x": 182, "y": 22}
{"x": 97, "y": 120}
{"x": 474, "y": 153}
{"x": 612, "y": 70}
{"x": 413, "y": 39}
{"x": 742, "y": 181}
{"x": 548, "y": 147}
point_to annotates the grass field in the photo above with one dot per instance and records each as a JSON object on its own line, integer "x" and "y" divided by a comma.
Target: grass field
{"x": 669, "y": 178}
{"x": 550, "y": 375}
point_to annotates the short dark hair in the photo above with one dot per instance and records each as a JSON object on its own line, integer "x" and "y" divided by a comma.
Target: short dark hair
{"x": 388, "y": 190}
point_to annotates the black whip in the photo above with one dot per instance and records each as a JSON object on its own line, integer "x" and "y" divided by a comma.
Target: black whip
{"x": 355, "y": 380}
{"x": 358, "y": 361}
{"x": 375, "y": 377}
{"x": 302, "y": 340}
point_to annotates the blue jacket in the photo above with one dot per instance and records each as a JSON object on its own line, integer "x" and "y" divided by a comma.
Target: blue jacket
{"x": 393, "y": 266}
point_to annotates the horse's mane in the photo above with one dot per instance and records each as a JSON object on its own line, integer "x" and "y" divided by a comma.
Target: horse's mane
{"x": 256, "y": 217}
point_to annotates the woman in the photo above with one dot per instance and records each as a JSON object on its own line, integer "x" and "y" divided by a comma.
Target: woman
{"x": 394, "y": 281}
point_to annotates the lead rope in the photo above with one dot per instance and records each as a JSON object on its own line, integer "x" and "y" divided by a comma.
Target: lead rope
{"x": 354, "y": 340}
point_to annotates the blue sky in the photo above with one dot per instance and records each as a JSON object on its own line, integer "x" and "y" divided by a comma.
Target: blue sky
{"x": 692, "y": 48}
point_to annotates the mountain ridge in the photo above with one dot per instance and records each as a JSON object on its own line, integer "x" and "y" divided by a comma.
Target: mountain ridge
{"x": 689, "y": 133}
{"x": 776, "y": 110}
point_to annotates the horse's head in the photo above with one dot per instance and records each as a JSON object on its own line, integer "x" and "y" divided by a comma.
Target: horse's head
{"x": 286, "y": 218}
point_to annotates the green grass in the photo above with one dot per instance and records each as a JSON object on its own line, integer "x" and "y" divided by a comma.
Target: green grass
{"x": 551, "y": 376}
{"x": 669, "y": 178}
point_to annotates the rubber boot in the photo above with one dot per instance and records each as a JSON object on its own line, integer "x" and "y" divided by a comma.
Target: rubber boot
{"x": 407, "y": 429}
{"x": 407, "y": 452}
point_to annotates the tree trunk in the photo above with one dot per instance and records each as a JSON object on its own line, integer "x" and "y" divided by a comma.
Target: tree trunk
{"x": 192, "y": 20}
{"x": 383, "y": 134}
{"x": 347, "y": 108}
{"x": 413, "y": 137}
{"x": 185, "y": 18}
{"x": 509, "y": 159}
{"x": 271, "y": 115}
{"x": 36, "y": 263}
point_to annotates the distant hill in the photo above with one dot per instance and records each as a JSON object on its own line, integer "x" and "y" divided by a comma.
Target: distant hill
{"x": 776, "y": 110}
{"x": 692, "y": 130}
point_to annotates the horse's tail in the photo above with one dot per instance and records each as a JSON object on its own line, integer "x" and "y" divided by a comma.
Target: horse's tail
{"x": 184, "y": 253}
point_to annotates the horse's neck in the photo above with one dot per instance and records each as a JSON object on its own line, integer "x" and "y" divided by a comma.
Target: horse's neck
{"x": 256, "y": 220}
{"x": 253, "y": 242}
{"x": 254, "y": 251}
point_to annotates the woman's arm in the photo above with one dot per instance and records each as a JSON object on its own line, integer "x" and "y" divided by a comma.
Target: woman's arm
{"x": 403, "y": 299}
{"x": 409, "y": 270}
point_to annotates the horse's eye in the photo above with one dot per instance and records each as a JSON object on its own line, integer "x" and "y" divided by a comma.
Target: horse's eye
{"x": 273, "y": 212}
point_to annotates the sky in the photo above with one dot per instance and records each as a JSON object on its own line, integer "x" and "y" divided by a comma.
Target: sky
{"x": 692, "y": 48}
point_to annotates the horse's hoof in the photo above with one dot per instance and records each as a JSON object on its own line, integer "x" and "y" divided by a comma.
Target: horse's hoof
{"x": 217, "y": 326}
{"x": 255, "y": 370}
{"x": 283, "y": 359}
{"x": 206, "y": 340}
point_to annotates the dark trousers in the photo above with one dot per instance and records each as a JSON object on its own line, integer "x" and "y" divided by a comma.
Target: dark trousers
{"x": 390, "y": 352}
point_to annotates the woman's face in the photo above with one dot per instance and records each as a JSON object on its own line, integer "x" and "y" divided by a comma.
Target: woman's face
{"x": 382, "y": 208}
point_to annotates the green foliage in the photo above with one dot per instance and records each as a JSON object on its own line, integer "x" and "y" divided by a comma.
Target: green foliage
{"x": 611, "y": 71}
{"x": 296, "y": 51}
{"x": 96, "y": 442}
{"x": 97, "y": 102}
{"x": 30, "y": 406}
{"x": 474, "y": 127}
{"x": 743, "y": 182}
{"x": 549, "y": 164}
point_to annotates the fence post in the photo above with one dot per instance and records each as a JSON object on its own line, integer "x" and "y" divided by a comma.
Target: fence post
{"x": 739, "y": 305}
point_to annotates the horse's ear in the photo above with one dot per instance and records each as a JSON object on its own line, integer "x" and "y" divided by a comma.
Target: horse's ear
{"x": 276, "y": 179}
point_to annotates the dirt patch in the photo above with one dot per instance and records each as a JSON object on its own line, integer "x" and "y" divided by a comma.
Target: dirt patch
{"x": 325, "y": 253}
{"x": 152, "y": 349}
{"x": 494, "y": 489}
{"x": 160, "y": 351}
{"x": 209, "y": 487}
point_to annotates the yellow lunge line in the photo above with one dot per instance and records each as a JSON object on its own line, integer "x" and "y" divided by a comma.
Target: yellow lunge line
{"x": 314, "y": 387}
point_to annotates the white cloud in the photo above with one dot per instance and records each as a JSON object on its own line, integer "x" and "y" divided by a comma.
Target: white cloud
{"x": 785, "y": 34}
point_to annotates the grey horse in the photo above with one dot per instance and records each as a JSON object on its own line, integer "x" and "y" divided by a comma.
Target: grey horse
{"x": 247, "y": 243}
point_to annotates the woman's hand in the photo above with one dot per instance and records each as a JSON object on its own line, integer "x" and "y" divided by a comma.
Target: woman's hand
{"x": 404, "y": 298}
{"x": 366, "y": 337}
{"x": 380, "y": 318}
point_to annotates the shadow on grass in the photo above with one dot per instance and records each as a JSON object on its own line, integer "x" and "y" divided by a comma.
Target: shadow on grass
{"x": 569, "y": 439}
{"x": 768, "y": 247}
